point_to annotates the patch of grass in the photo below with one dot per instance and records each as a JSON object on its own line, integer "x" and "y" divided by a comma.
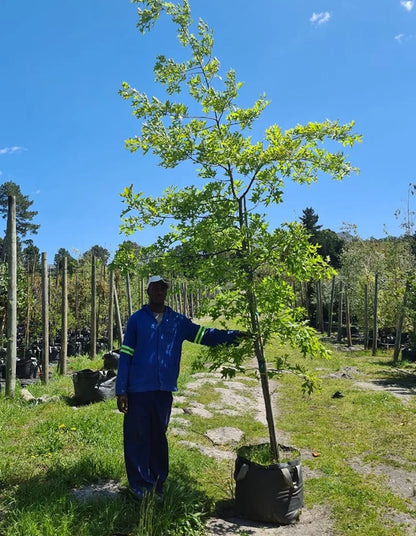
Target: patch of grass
{"x": 260, "y": 454}
{"x": 362, "y": 424}
{"x": 47, "y": 450}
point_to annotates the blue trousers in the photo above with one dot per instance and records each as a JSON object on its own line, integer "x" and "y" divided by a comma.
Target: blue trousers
{"x": 145, "y": 444}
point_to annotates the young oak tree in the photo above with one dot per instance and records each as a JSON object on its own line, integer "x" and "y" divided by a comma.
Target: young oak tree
{"x": 219, "y": 223}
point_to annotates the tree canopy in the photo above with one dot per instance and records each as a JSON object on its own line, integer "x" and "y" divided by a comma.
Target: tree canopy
{"x": 309, "y": 220}
{"x": 216, "y": 221}
{"x": 24, "y": 216}
{"x": 99, "y": 252}
{"x": 59, "y": 260}
{"x": 330, "y": 244}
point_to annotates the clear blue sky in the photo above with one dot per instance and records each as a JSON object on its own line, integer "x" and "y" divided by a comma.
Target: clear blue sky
{"x": 63, "y": 124}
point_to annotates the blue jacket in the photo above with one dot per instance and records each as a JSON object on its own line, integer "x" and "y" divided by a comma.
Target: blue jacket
{"x": 151, "y": 352}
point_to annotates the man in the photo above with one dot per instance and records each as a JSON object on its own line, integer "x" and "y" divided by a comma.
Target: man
{"x": 147, "y": 374}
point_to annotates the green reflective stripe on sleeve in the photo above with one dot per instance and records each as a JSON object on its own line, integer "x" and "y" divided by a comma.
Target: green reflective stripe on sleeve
{"x": 199, "y": 335}
{"x": 127, "y": 350}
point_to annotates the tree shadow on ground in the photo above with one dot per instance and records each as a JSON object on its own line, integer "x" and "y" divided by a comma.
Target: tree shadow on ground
{"x": 402, "y": 381}
{"x": 50, "y": 504}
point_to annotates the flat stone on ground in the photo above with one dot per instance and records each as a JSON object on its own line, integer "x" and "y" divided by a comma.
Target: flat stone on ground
{"x": 212, "y": 452}
{"x": 197, "y": 409}
{"x": 225, "y": 435}
{"x": 109, "y": 489}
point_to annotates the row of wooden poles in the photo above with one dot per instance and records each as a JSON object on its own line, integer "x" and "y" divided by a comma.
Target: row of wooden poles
{"x": 179, "y": 298}
{"x": 344, "y": 308}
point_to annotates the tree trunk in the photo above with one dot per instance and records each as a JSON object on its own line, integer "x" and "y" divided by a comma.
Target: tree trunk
{"x": 331, "y": 307}
{"x": 177, "y": 299}
{"x": 319, "y": 308}
{"x": 348, "y": 319}
{"x": 375, "y": 310}
{"x": 339, "y": 334}
{"x": 185, "y": 298}
{"x": 129, "y": 302}
{"x": 118, "y": 317}
{"x": 366, "y": 323}
{"x": 110, "y": 312}
{"x": 258, "y": 341}
{"x": 29, "y": 304}
{"x": 399, "y": 328}
{"x": 93, "y": 325}
{"x": 64, "y": 320}
{"x": 45, "y": 320}
{"x": 301, "y": 292}
{"x": 308, "y": 299}
{"x": 11, "y": 299}
{"x": 142, "y": 293}
{"x": 76, "y": 301}
{"x": 264, "y": 378}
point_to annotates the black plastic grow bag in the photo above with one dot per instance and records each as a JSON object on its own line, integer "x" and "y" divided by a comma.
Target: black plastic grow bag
{"x": 110, "y": 360}
{"x": 409, "y": 354}
{"x": 92, "y": 386}
{"x": 269, "y": 493}
{"x": 26, "y": 368}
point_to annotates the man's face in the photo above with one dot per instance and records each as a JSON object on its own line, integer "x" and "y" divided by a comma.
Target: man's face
{"x": 157, "y": 292}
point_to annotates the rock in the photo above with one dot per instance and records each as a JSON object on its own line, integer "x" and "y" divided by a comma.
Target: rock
{"x": 109, "y": 489}
{"x": 212, "y": 452}
{"x": 226, "y": 435}
{"x": 27, "y": 396}
{"x": 45, "y": 398}
{"x": 198, "y": 409}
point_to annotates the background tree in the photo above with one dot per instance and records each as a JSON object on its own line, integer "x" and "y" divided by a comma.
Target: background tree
{"x": 217, "y": 221}
{"x": 316, "y": 296}
{"x": 127, "y": 258}
{"x": 31, "y": 257}
{"x": 309, "y": 220}
{"x": 330, "y": 246}
{"x": 59, "y": 261}
{"x": 330, "y": 243}
{"x": 408, "y": 258}
{"x": 24, "y": 216}
{"x": 24, "y": 226}
{"x": 99, "y": 252}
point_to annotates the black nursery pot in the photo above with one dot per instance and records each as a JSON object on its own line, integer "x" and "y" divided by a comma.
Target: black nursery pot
{"x": 25, "y": 368}
{"x": 269, "y": 493}
{"x": 409, "y": 354}
{"x": 92, "y": 386}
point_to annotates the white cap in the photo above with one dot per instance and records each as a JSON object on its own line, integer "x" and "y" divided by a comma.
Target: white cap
{"x": 156, "y": 279}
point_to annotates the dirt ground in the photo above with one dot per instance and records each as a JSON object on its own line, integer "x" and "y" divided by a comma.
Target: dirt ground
{"x": 315, "y": 522}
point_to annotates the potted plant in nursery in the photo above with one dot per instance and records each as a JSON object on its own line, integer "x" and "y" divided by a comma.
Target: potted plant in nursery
{"x": 219, "y": 233}
{"x": 409, "y": 352}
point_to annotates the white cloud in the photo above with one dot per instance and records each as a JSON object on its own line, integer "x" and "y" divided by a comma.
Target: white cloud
{"x": 8, "y": 150}
{"x": 407, "y": 4}
{"x": 320, "y": 18}
{"x": 404, "y": 38}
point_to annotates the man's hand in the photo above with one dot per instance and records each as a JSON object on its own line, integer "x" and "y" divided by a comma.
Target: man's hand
{"x": 122, "y": 403}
